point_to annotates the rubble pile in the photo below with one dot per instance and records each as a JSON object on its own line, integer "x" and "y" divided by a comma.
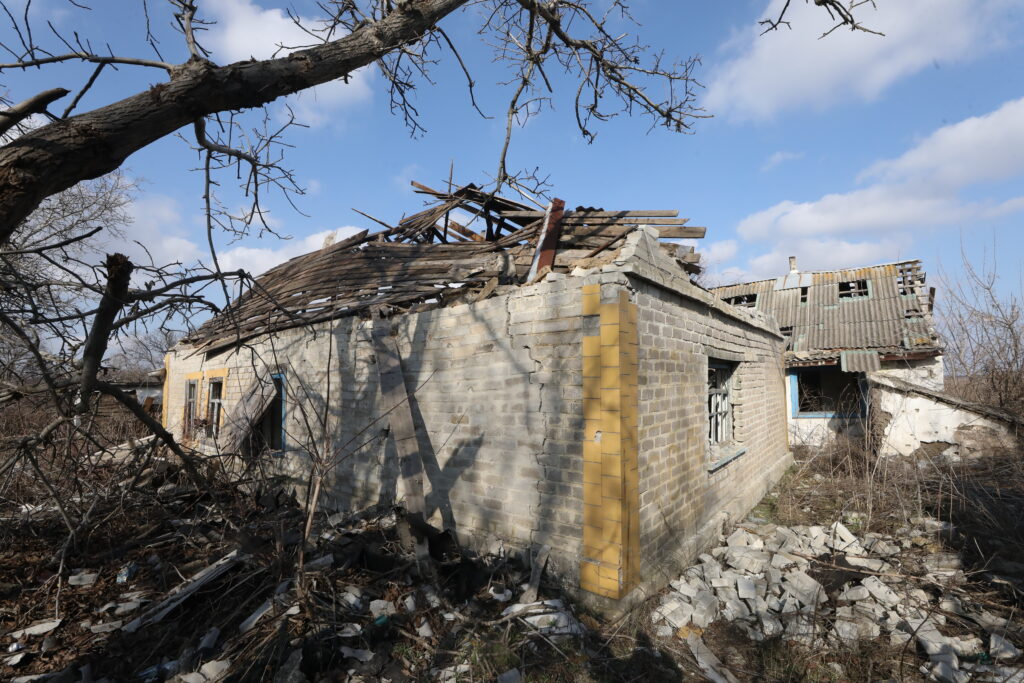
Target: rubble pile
{"x": 217, "y": 594}
{"x": 827, "y": 588}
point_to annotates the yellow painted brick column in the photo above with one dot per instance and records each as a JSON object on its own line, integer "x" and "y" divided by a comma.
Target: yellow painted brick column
{"x": 611, "y": 496}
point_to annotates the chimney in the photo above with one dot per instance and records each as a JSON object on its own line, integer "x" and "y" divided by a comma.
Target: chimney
{"x": 792, "y": 264}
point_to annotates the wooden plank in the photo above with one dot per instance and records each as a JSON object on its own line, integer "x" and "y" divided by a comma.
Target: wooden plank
{"x": 582, "y": 220}
{"x": 616, "y": 229}
{"x": 536, "y": 571}
{"x": 547, "y": 244}
{"x": 593, "y": 214}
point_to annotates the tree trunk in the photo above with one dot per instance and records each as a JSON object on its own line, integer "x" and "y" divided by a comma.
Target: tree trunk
{"x": 56, "y": 156}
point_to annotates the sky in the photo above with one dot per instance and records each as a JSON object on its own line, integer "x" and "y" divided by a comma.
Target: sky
{"x": 843, "y": 151}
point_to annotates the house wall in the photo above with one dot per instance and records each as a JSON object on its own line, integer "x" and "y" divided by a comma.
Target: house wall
{"x": 497, "y": 395}
{"x": 912, "y": 423}
{"x": 683, "y": 503}
{"x": 928, "y": 372}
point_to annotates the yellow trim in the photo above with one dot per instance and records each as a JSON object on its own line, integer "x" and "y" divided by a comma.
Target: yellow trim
{"x": 611, "y": 498}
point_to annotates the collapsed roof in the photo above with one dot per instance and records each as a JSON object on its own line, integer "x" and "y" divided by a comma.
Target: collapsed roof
{"x": 840, "y": 315}
{"x": 458, "y": 249}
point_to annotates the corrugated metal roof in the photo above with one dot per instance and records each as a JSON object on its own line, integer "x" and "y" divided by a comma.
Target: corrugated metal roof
{"x": 895, "y": 313}
{"x": 859, "y": 361}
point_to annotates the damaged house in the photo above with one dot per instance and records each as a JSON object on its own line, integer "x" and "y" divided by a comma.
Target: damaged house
{"x": 522, "y": 377}
{"x": 862, "y": 353}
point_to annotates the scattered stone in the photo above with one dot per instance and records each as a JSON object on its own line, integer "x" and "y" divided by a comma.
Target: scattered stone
{"x": 880, "y": 591}
{"x": 424, "y": 630}
{"x": 804, "y": 588}
{"x": 550, "y": 617}
{"x": 746, "y": 588}
{"x": 37, "y": 629}
{"x": 1001, "y": 648}
{"x": 106, "y": 627}
{"x": 854, "y": 593}
{"x": 382, "y": 608}
{"x": 82, "y": 578}
{"x": 705, "y": 609}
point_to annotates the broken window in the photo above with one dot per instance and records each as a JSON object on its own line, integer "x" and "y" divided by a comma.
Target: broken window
{"x": 719, "y": 402}
{"x": 191, "y": 393}
{"x": 268, "y": 432}
{"x": 742, "y": 300}
{"x": 854, "y": 289}
{"x": 826, "y": 392}
{"x": 804, "y": 292}
{"x": 213, "y": 407}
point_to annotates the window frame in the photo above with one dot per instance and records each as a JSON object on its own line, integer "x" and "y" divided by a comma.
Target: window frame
{"x": 191, "y": 403}
{"x": 855, "y": 294}
{"x": 720, "y": 417}
{"x": 214, "y": 407}
{"x": 753, "y": 303}
{"x": 794, "y": 396}
{"x": 278, "y": 380}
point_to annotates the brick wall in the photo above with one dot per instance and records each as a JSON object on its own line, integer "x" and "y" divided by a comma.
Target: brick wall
{"x": 497, "y": 394}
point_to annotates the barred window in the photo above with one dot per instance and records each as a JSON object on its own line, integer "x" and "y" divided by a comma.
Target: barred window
{"x": 720, "y": 420}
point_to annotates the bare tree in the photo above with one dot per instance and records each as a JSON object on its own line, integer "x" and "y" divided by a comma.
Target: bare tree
{"x": 64, "y": 309}
{"x": 614, "y": 73}
{"x": 982, "y": 321}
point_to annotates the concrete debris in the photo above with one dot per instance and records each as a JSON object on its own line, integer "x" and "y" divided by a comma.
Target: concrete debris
{"x": 106, "y": 627}
{"x": 769, "y": 584}
{"x": 708, "y": 663}
{"x": 549, "y": 617}
{"x": 1001, "y": 648}
{"x": 37, "y": 629}
{"x": 82, "y": 578}
{"x": 382, "y": 608}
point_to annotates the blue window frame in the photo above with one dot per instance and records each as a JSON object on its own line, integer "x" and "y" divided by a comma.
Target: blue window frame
{"x": 826, "y": 392}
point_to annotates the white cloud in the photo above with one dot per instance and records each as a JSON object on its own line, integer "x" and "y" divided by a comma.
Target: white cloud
{"x": 794, "y": 69}
{"x": 157, "y": 223}
{"x": 919, "y": 188}
{"x": 718, "y": 252}
{"x": 981, "y": 148}
{"x": 780, "y": 157}
{"x": 244, "y": 30}
{"x": 258, "y": 260}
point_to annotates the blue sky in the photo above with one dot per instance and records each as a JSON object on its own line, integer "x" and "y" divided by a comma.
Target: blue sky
{"x": 846, "y": 151}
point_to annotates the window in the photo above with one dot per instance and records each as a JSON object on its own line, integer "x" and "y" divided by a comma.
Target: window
{"x": 742, "y": 300}
{"x": 213, "y": 407}
{"x": 854, "y": 289}
{"x": 804, "y": 292}
{"x": 268, "y": 433}
{"x": 191, "y": 393}
{"x": 825, "y": 392}
{"x": 719, "y": 402}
